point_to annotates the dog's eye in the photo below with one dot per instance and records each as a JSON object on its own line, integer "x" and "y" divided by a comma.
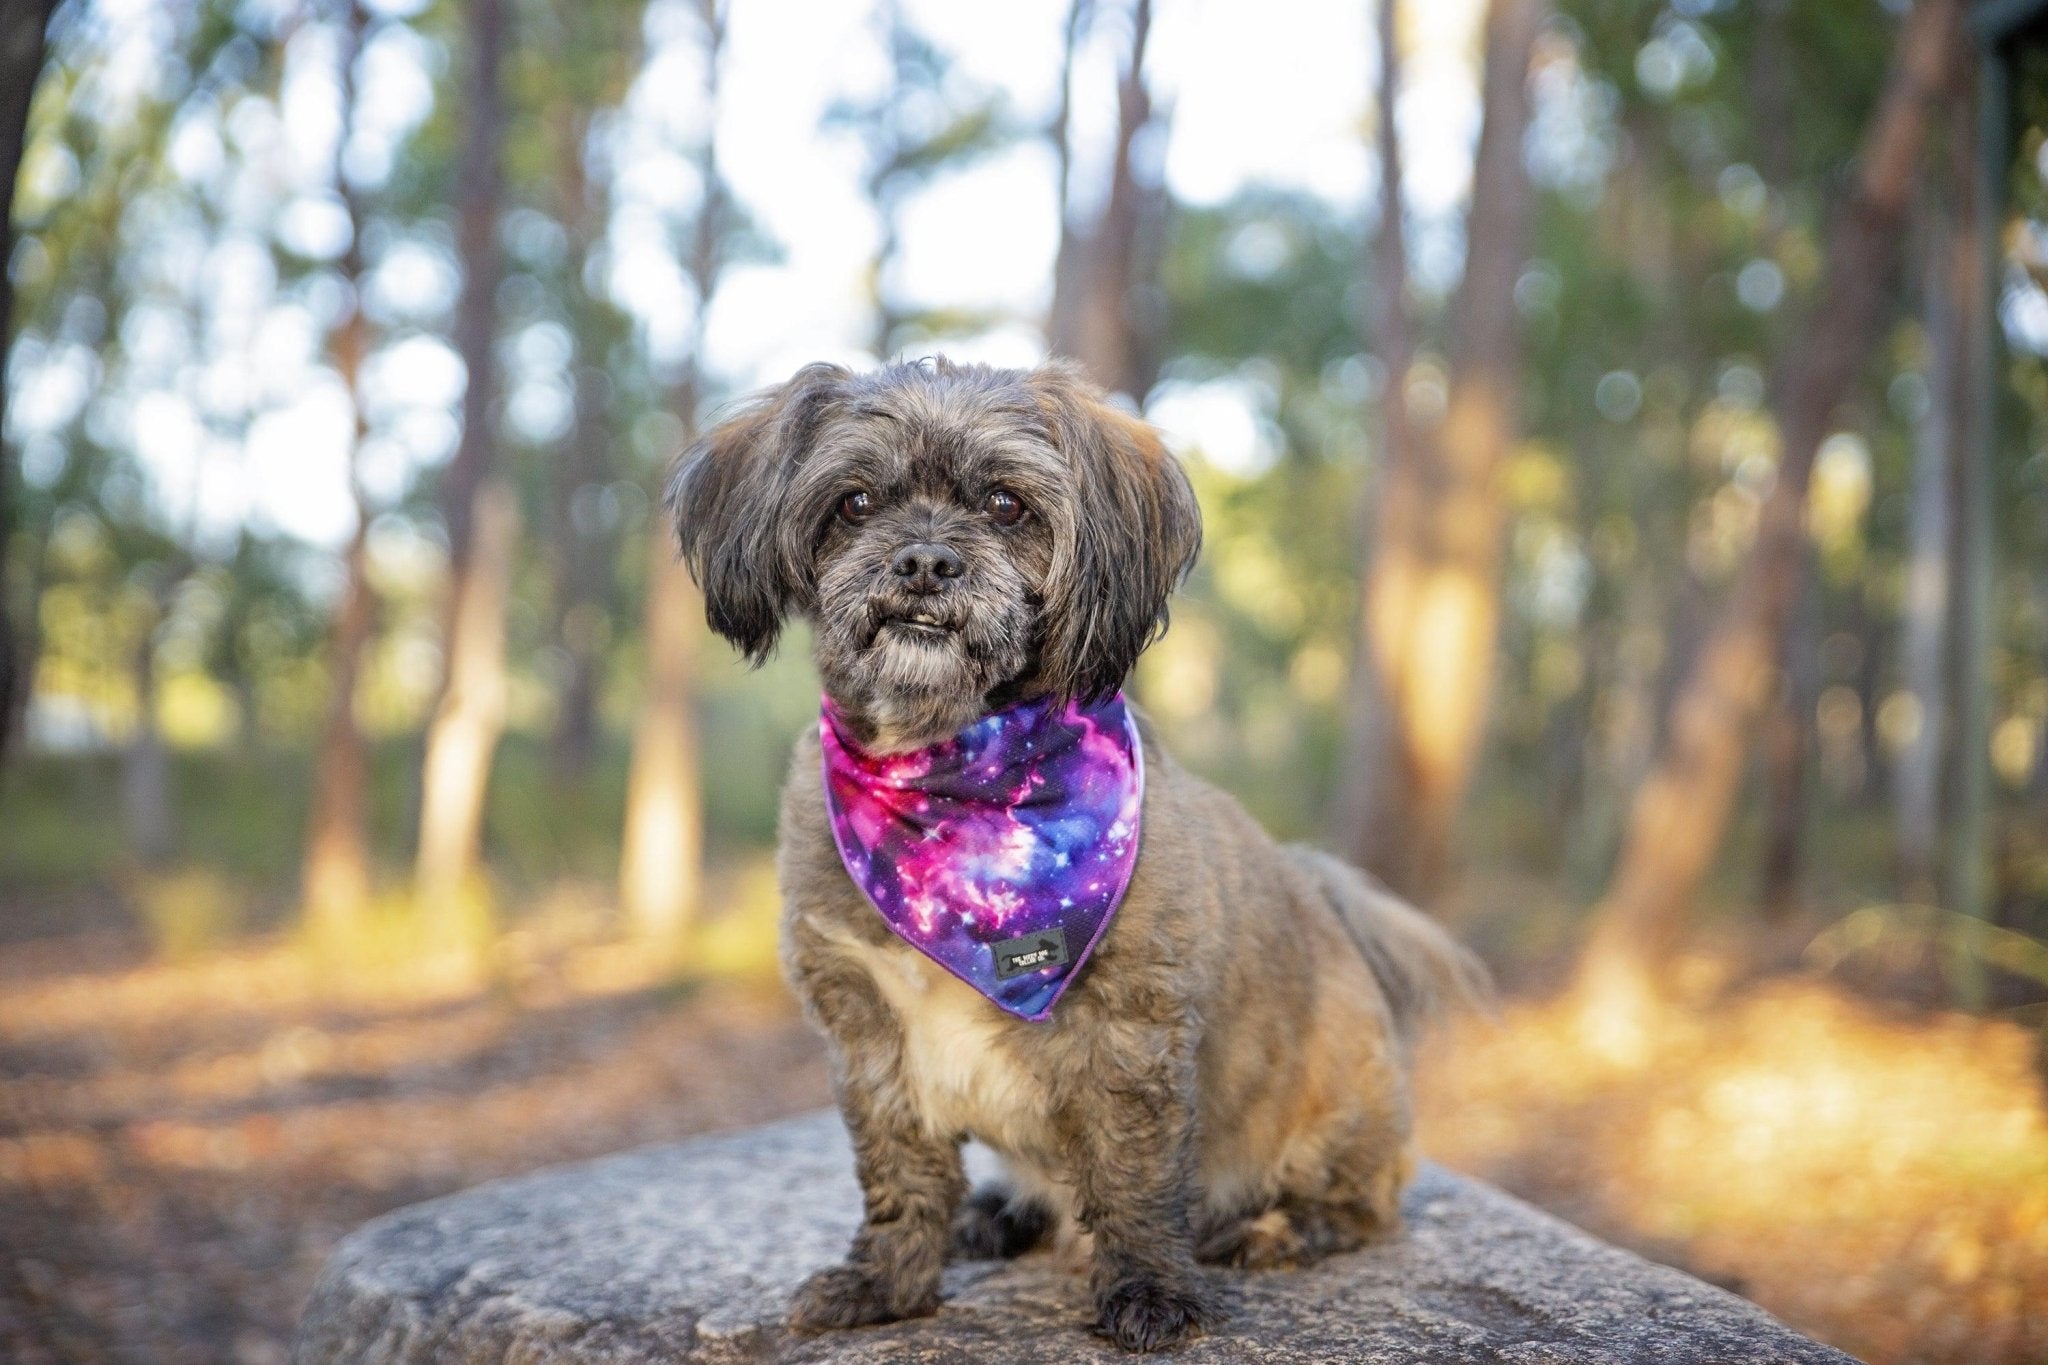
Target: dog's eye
{"x": 1004, "y": 507}
{"x": 856, "y": 507}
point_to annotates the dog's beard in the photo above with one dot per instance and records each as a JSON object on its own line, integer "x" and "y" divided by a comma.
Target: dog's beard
{"x": 920, "y": 668}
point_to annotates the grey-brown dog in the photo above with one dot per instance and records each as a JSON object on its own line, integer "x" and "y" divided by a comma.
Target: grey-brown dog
{"x": 1227, "y": 1078}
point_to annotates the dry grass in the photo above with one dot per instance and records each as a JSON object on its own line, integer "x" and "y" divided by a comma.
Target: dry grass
{"x": 1875, "y": 1179}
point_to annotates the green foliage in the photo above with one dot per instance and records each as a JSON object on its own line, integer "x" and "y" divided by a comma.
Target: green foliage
{"x": 1687, "y": 157}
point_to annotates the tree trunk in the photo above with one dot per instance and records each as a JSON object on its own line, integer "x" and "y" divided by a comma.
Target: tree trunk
{"x": 1681, "y": 811}
{"x": 335, "y": 880}
{"x": 1104, "y": 311}
{"x": 480, "y": 193}
{"x": 1788, "y": 759}
{"x": 583, "y": 549}
{"x": 1790, "y": 741}
{"x": 471, "y": 717}
{"x": 661, "y": 859}
{"x": 21, "y": 62}
{"x": 581, "y": 573}
{"x": 660, "y": 863}
{"x": 1972, "y": 398}
{"x": 1431, "y": 599}
{"x": 146, "y": 764}
{"x": 1396, "y": 486}
{"x": 479, "y": 511}
{"x": 1930, "y": 535}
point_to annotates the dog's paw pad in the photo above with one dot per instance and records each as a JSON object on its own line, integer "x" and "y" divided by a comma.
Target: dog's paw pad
{"x": 850, "y": 1296}
{"x": 1145, "y": 1315}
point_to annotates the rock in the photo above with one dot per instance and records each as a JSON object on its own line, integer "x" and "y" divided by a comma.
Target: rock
{"x": 689, "y": 1253}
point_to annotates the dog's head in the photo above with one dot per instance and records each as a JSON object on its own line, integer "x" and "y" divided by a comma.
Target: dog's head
{"x": 959, "y": 536}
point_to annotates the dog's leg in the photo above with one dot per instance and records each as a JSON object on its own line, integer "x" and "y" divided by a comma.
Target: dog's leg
{"x": 1132, "y": 1142}
{"x": 1361, "y": 1202}
{"x": 910, "y": 1180}
{"x": 997, "y": 1223}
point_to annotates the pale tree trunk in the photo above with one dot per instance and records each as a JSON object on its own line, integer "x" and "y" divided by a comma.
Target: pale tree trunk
{"x": 334, "y": 882}
{"x": 334, "y": 885}
{"x": 21, "y": 61}
{"x": 661, "y": 860}
{"x": 480, "y": 513}
{"x": 1431, "y": 600}
{"x": 1105, "y": 313}
{"x": 583, "y": 550}
{"x": 1681, "y": 812}
{"x": 1930, "y": 533}
{"x": 471, "y": 716}
{"x": 660, "y": 864}
{"x": 145, "y": 763}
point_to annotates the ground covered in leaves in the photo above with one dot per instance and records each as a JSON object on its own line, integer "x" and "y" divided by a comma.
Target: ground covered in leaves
{"x": 181, "y": 1144}
{"x": 1877, "y": 1178}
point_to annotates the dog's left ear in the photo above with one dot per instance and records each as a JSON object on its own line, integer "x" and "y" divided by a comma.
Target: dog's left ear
{"x": 727, "y": 498}
{"x": 1135, "y": 532}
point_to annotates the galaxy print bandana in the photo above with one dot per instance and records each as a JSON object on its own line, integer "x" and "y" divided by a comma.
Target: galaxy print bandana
{"x": 1002, "y": 853}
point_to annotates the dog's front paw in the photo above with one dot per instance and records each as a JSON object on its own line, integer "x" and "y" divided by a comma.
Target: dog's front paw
{"x": 854, "y": 1296}
{"x": 1144, "y": 1314}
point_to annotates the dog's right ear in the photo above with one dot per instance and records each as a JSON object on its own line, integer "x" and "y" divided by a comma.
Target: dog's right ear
{"x": 727, "y": 495}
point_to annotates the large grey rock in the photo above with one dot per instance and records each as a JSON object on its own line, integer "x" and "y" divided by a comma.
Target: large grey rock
{"x": 689, "y": 1253}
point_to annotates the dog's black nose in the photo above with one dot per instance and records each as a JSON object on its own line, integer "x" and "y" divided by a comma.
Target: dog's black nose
{"x": 924, "y": 564}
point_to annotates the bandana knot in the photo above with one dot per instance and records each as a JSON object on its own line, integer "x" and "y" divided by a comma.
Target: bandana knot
{"x": 1002, "y": 853}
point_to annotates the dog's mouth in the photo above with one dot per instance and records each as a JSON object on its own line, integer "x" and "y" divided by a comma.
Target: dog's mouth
{"x": 916, "y": 625}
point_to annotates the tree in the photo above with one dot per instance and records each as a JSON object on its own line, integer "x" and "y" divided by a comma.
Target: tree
{"x": 21, "y": 61}
{"x": 594, "y": 49}
{"x": 1681, "y": 811}
{"x": 1107, "y": 311}
{"x": 149, "y": 823}
{"x": 1431, "y": 601}
{"x": 661, "y": 859}
{"x": 1970, "y": 400}
{"x": 477, "y": 506}
{"x": 335, "y": 877}
{"x": 1938, "y": 454}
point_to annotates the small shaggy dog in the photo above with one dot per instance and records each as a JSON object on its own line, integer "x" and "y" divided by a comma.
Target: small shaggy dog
{"x": 979, "y": 828}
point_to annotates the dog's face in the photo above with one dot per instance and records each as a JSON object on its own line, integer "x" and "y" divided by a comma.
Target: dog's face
{"x": 958, "y": 536}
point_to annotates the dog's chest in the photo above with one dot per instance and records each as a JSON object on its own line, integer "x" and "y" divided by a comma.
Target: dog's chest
{"x": 961, "y": 1061}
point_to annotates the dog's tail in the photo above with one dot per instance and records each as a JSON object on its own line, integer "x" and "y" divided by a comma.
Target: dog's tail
{"x": 1423, "y": 972}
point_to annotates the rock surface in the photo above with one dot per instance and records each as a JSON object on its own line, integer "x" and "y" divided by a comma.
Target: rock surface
{"x": 689, "y": 1253}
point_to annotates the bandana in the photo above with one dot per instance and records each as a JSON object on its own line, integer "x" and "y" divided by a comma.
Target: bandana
{"x": 1000, "y": 854}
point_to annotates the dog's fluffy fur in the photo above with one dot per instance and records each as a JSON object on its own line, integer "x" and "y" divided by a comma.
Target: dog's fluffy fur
{"x": 1227, "y": 1078}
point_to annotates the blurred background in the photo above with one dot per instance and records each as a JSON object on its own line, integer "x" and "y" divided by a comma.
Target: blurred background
{"x": 1622, "y": 431}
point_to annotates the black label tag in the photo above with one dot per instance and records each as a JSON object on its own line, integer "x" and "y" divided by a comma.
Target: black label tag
{"x": 1016, "y": 956}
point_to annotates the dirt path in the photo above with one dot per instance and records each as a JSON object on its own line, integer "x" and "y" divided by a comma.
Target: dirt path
{"x": 181, "y": 1147}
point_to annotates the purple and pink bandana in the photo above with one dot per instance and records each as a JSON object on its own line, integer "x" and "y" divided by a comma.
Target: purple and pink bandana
{"x": 1002, "y": 853}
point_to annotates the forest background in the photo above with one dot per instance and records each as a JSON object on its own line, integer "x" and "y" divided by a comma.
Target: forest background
{"x": 1622, "y": 435}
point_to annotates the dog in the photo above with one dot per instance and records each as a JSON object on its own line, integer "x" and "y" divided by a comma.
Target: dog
{"x": 1224, "y": 1078}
